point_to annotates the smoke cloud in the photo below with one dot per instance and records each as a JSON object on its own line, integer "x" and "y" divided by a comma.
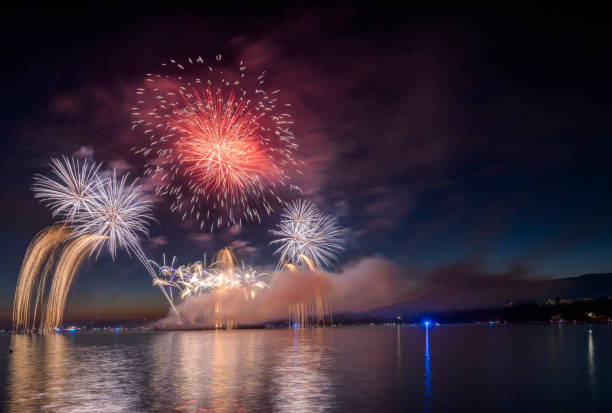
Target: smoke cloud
{"x": 368, "y": 283}
{"x": 374, "y": 286}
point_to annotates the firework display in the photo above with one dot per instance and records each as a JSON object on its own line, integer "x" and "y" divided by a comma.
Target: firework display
{"x": 67, "y": 194}
{"x": 68, "y": 264}
{"x": 95, "y": 213}
{"x": 35, "y": 268}
{"x": 119, "y": 213}
{"x": 307, "y": 241}
{"x": 72, "y": 190}
{"x": 219, "y": 145}
{"x": 307, "y": 236}
{"x": 199, "y": 278}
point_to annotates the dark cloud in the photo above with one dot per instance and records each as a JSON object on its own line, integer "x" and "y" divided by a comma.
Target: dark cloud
{"x": 85, "y": 151}
{"x": 200, "y": 238}
{"x": 158, "y": 241}
{"x": 120, "y": 165}
{"x": 244, "y": 248}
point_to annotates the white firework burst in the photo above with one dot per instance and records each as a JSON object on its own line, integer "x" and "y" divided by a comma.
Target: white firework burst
{"x": 120, "y": 213}
{"x": 72, "y": 188}
{"x": 306, "y": 232}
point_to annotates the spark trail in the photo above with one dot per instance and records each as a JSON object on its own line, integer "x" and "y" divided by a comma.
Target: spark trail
{"x": 37, "y": 263}
{"x": 69, "y": 262}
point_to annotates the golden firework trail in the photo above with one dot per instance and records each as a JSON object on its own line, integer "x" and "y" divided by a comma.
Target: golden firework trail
{"x": 40, "y": 290}
{"x": 71, "y": 259}
{"x": 225, "y": 261}
{"x": 39, "y": 256}
{"x": 317, "y": 309}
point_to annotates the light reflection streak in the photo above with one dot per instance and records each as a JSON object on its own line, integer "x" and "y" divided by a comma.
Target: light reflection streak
{"x": 398, "y": 355}
{"x": 212, "y": 371}
{"x": 224, "y": 384}
{"x": 37, "y": 379}
{"x": 52, "y": 373}
{"x": 55, "y": 359}
{"x": 20, "y": 373}
{"x": 428, "y": 386}
{"x": 591, "y": 355}
{"x": 591, "y": 365}
{"x": 300, "y": 377}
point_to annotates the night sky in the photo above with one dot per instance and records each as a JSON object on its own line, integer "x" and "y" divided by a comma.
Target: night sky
{"x": 437, "y": 139}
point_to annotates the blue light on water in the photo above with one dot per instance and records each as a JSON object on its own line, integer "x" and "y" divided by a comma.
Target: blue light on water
{"x": 428, "y": 396}
{"x": 116, "y": 329}
{"x": 427, "y": 323}
{"x": 71, "y": 330}
{"x": 295, "y": 325}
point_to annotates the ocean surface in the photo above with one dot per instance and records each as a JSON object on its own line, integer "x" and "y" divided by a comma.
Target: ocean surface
{"x": 499, "y": 368}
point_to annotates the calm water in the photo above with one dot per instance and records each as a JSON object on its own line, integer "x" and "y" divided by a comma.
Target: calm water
{"x": 367, "y": 369}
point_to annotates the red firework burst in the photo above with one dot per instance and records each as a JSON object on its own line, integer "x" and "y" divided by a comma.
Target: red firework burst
{"x": 219, "y": 144}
